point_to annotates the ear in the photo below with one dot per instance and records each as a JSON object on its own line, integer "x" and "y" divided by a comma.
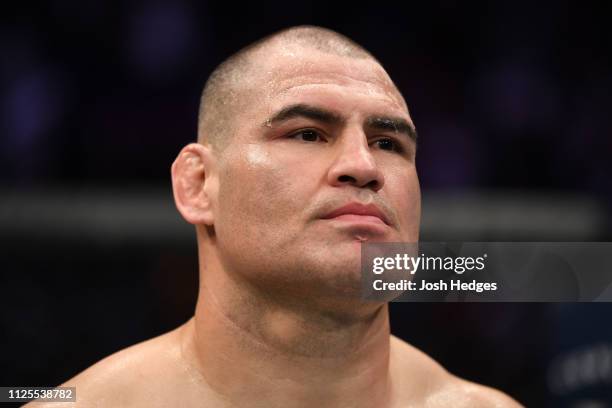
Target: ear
{"x": 194, "y": 184}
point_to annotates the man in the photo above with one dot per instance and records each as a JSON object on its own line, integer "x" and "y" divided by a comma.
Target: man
{"x": 305, "y": 150}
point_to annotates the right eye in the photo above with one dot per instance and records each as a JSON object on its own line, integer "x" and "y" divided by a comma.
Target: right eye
{"x": 307, "y": 135}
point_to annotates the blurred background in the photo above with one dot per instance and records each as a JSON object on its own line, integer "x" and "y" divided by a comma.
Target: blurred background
{"x": 511, "y": 99}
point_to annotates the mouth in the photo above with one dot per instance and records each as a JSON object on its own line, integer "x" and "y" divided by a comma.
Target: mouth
{"x": 357, "y": 213}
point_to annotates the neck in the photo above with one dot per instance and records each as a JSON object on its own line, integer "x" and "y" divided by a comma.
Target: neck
{"x": 246, "y": 349}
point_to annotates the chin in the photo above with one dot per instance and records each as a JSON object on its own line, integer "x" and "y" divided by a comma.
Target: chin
{"x": 331, "y": 286}
{"x": 339, "y": 276}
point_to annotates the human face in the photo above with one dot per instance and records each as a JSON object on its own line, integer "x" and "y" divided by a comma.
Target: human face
{"x": 320, "y": 136}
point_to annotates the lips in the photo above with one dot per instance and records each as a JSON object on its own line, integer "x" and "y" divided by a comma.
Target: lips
{"x": 359, "y": 213}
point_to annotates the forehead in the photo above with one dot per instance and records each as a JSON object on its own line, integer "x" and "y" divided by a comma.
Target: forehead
{"x": 303, "y": 74}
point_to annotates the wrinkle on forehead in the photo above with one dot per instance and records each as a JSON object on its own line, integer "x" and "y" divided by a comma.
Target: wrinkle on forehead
{"x": 372, "y": 91}
{"x": 282, "y": 74}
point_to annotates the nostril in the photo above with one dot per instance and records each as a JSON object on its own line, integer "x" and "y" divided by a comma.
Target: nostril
{"x": 373, "y": 185}
{"x": 346, "y": 179}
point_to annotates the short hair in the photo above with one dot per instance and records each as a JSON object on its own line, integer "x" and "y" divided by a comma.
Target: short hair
{"x": 221, "y": 95}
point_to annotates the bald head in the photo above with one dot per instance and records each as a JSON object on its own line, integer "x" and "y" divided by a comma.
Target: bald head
{"x": 227, "y": 88}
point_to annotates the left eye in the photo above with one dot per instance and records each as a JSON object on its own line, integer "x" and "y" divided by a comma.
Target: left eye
{"x": 307, "y": 135}
{"x": 388, "y": 144}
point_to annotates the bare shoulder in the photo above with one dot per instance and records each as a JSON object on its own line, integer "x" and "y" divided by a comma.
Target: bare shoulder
{"x": 476, "y": 395}
{"x": 433, "y": 386}
{"x": 122, "y": 378}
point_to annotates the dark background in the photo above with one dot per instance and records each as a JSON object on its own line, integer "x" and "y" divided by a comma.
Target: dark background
{"x": 511, "y": 101}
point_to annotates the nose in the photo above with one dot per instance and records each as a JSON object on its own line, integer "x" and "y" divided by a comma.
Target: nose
{"x": 355, "y": 165}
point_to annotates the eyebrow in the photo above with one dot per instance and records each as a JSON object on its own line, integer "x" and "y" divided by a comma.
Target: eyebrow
{"x": 378, "y": 122}
{"x": 395, "y": 124}
{"x": 305, "y": 111}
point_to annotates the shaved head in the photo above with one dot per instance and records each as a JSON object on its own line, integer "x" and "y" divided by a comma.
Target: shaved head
{"x": 230, "y": 84}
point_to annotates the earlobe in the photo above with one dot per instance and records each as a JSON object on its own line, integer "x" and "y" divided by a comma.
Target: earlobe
{"x": 192, "y": 182}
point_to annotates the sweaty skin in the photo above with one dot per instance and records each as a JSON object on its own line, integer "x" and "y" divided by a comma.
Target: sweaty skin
{"x": 279, "y": 321}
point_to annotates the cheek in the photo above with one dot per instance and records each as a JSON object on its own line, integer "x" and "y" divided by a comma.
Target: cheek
{"x": 405, "y": 196}
{"x": 256, "y": 190}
